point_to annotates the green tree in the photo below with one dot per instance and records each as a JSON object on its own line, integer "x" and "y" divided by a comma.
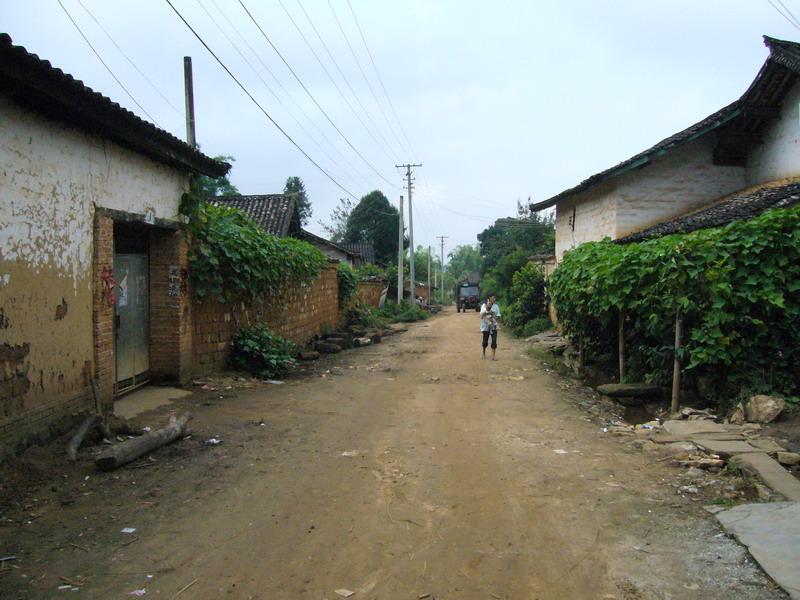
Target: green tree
{"x": 375, "y": 220}
{"x": 207, "y": 186}
{"x": 337, "y": 228}
{"x": 534, "y": 233}
{"x": 296, "y": 189}
{"x": 463, "y": 260}
{"x": 503, "y": 272}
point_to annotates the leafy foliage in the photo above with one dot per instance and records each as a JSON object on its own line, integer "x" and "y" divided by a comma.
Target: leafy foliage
{"x": 260, "y": 352}
{"x": 297, "y": 190}
{"x": 364, "y": 315}
{"x": 464, "y": 260}
{"x": 348, "y": 282}
{"x": 736, "y": 287}
{"x": 405, "y": 312}
{"x": 222, "y": 186}
{"x": 370, "y": 271}
{"x": 534, "y": 234}
{"x": 231, "y": 258}
{"x": 337, "y": 228}
{"x": 528, "y": 293}
{"x": 375, "y": 219}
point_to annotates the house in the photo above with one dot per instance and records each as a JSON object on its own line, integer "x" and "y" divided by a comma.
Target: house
{"x": 745, "y": 154}
{"x": 277, "y": 214}
{"x": 93, "y": 265}
{"x": 364, "y": 252}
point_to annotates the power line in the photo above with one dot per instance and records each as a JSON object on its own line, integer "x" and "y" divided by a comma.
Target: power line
{"x": 785, "y": 16}
{"x": 100, "y": 58}
{"x": 789, "y": 12}
{"x": 261, "y": 108}
{"x": 288, "y": 95}
{"x": 341, "y": 73}
{"x": 310, "y": 95}
{"x": 380, "y": 80}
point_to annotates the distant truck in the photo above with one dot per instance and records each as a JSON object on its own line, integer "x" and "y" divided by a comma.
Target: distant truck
{"x": 468, "y": 294}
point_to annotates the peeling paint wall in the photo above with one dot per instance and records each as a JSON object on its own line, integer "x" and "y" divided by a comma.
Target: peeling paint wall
{"x": 52, "y": 177}
{"x": 778, "y": 157}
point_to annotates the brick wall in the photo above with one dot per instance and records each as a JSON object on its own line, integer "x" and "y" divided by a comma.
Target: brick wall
{"x": 369, "y": 292}
{"x": 298, "y": 314}
{"x": 103, "y": 306}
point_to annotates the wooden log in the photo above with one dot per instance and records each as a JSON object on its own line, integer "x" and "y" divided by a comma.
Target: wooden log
{"x": 80, "y": 433}
{"x": 676, "y": 365}
{"x": 621, "y": 345}
{"x": 115, "y": 456}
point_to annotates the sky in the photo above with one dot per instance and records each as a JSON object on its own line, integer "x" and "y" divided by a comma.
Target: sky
{"x": 499, "y": 101}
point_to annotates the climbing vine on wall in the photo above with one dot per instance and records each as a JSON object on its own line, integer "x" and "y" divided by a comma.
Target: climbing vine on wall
{"x": 232, "y": 259}
{"x": 736, "y": 287}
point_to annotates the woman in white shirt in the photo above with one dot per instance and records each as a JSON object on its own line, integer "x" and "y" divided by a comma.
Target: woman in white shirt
{"x": 490, "y": 315}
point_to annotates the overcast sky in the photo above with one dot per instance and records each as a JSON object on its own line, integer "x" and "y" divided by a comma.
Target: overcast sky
{"x": 498, "y": 100}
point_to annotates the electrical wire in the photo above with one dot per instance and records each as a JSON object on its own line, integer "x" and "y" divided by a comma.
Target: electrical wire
{"x": 310, "y": 95}
{"x": 100, "y": 58}
{"x": 261, "y": 108}
{"x": 786, "y": 8}
{"x": 781, "y": 13}
{"x": 347, "y": 82}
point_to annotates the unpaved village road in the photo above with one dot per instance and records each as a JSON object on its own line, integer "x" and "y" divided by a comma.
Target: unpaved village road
{"x": 419, "y": 469}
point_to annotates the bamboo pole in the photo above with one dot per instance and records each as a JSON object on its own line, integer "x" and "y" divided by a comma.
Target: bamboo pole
{"x": 676, "y": 365}
{"x": 621, "y": 345}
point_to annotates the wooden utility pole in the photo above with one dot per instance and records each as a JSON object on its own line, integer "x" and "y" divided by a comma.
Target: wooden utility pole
{"x": 676, "y": 365}
{"x": 189, "y": 92}
{"x": 410, "y": 187}
{"x": 430, "y": 299}
{"x": 400, "y": 277}
{"x": 621, "y": 344}
{"x": 442, "y": 238}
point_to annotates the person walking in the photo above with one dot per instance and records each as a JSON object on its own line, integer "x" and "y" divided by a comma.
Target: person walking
{"x": 490, "y": 317}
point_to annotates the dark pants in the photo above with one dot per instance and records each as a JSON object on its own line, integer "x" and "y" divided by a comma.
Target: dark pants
{"x": 486, "y": 338}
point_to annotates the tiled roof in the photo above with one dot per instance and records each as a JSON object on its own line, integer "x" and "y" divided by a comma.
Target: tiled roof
{"x": 365, "y": 250}
{"x": 739, "y": 123}
{"x": 35, "y": 83}
{"x": 274, "y": 213}
{"x": 739, "y": 206}
{"x": 311, "y": 237}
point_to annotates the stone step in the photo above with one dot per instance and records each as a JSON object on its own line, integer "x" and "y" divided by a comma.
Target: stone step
{"x": 770, "y": 472}
{"x": 629, "y": 390}
{"x": 690, "y": 428}
{"x": 725, "y": 448}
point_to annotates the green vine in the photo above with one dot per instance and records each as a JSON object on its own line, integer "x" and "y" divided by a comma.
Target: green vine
{"x": 348, "y": 283}
{"x": 232, "y": 259}
{"x": 736, "y": 287}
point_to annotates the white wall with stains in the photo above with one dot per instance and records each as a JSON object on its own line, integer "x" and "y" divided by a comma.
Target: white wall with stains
{"x": 778, "y": 156}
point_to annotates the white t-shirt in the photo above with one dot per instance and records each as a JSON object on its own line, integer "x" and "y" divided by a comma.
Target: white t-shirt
{"x": 489, "y": 317}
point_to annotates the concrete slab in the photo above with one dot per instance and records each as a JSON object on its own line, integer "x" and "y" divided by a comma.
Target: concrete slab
{"x": 689, "y": 428}
{"x": 770, "y": 472}
{"x": 146, "y": 398}
{"x": 766, "y": 445}
{"x": 724, "y": 448}
{"x": 771, "y": 533}
{"x": 728, "y": 436}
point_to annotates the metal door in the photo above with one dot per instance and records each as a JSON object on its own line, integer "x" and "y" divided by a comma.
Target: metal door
{"x": 132, "y": 321}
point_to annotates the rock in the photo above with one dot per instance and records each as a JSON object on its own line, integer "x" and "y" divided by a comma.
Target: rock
{"x": 768, "y": 445}
{"x": 357, "y": 330}
{"x": 688, "y": 428}
{"x": 770, "y": 472}
{"x": 677, "y": 449}
{"x": 789, "y": 458}
{"x": 334, "y": 340}
{"x": 703, "y": 463}
{"x": 328, "y": 347}
{"x": 737, "y": 417}
{"x": 308, "y": 355}
{"x": 694, "y": 473}
{"x": 764, "y": 492}
{"x": 345, "y": 337}
{"x": 375, "y": 336}
{"x": 764, "y": 409}
{"x": 726, "y": 448}
{"x": 629, "y": 390}
{"x": 360, "y": 342}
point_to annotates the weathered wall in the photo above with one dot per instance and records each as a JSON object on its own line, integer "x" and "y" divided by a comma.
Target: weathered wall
{"x": 778, "y": 156}
{"x": 369, "y": 292}
{"x": 299, "y": 314}
{"x": 52, "y": 177}
{"x": 683, "y": 180}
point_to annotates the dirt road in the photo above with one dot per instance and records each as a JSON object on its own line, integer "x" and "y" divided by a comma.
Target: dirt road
{"x": 414, "y": 468}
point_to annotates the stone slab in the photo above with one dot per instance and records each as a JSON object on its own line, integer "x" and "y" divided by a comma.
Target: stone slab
{"x": 727, "y": 436}
{"x": 146, "y": 398}
{"x": 689, "y": 428}
{"x": 766, "y": 445}
{"x": 770, "y": 472}
{"x": 629, "y": 390}
{"x": 771, "y": 533}
{"x": 724, "y": 448}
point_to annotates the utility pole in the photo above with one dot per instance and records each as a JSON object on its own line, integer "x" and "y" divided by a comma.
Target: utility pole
{"x": 430, "y": 296}
{"x": 410, "y": 187}
{"x": 400, "y": 256}
{"x": 189, "y": 92}
{"x": 441, "y": 292}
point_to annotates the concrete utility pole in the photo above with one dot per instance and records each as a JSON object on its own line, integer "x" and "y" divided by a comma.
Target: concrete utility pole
{"x": 441, "y": 290}
{"x": 410, "y": 187}
{"x": 189, "y": 91}
{"x": 400, "y": 256}
{"x": 430, "y": 296}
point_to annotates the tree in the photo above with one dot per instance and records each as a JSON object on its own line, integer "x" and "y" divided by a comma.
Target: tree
{"x": 534, "y": 234}
{"x": 296, "y": 189}
{"x": 337, "y": 228}
{"x": 375, "y": 220}
{"x": 463, "y": 261}
{"x": 221, "y": 186}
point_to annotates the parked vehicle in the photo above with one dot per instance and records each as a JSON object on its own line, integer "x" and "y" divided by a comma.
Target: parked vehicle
{"x": 468, "y": 294}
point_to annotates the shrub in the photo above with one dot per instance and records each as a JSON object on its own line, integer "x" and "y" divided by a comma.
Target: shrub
{"x": 405, "y": 312}
{"x": 348, "y": 283}
{"x": 260, "y": 352}
{"x": 370, "y": 271}
{"x": 528, "y": 295}
{"x": 365, "y": 316}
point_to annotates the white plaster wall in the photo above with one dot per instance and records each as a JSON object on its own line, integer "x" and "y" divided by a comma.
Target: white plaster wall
{"x": 51, "y": 178}
{"x": 683, "y": 180}
{"x": 778, "y": 156}
{"x": 595, "y": 211}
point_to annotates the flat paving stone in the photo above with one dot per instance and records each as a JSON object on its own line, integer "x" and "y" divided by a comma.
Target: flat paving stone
{"x": 771, "y": 472}
{"x": 689, "y": 428}
{"x": 771, "y": 533}
{"x": 725, "y": 448}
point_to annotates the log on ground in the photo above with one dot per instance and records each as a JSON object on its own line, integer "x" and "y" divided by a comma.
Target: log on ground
{"x": 129, "y": 450}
